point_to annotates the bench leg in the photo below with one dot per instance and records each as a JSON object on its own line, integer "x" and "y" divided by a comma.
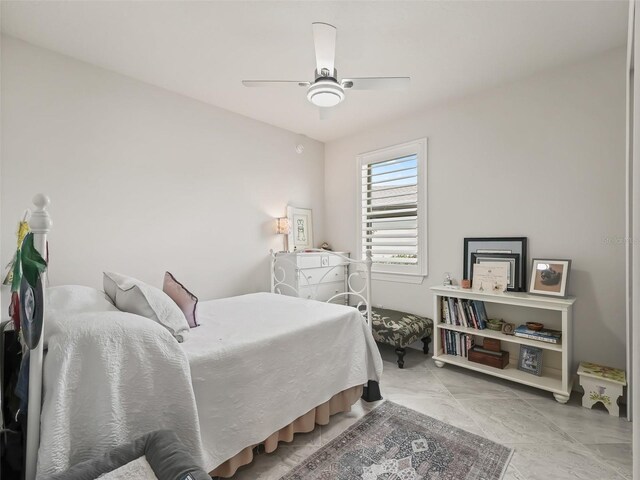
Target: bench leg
{"x": 425, "y": 345}
{"x": 400, "y": 352}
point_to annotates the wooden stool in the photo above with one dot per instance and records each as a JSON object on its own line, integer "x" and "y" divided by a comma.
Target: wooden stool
{"x": 601, "y": 384}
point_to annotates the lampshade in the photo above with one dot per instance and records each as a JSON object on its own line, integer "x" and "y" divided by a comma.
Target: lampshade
{"x": 282, "y": 226}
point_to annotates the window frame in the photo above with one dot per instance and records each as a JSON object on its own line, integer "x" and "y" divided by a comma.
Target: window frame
{"x": 401, "y": 273}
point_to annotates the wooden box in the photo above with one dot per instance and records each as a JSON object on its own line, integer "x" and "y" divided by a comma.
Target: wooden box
{"x": 492, "y": 344}
{"x": 487, "y": 357}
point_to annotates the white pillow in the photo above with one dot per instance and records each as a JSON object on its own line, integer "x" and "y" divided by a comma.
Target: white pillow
{"x": 133, "y": 296}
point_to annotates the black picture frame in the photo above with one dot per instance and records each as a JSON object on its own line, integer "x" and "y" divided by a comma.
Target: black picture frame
{"x": 497, "y": 245}
{"x": 511, "y": 259}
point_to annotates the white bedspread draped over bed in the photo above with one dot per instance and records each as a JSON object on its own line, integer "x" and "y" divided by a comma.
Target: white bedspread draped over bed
{"x": 256, "y": 363}
{"x": 260, "y": 361}
{"x": 108, "y": 380}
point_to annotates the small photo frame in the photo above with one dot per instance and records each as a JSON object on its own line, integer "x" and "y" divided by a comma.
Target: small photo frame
{"x": 300, "y": 228}
{"x": 530, "y": 360}
{"x": 549, "y": 277}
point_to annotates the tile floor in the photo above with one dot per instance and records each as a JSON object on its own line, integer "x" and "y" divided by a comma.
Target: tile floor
{"x": 551, "y": 441}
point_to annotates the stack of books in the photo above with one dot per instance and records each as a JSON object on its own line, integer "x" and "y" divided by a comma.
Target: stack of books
{"x": 456, "y": 343}
{"x": 544, "y": 335}
{"x": 465, "y": 313}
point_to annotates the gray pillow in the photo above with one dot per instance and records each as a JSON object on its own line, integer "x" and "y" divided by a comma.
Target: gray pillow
{"x": 133, "y": 296}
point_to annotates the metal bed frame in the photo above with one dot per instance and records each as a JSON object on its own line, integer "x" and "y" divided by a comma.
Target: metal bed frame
{"x": 356, "y": 269}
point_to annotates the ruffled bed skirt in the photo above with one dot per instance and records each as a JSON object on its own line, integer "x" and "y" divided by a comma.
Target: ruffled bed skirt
{"x": 340, "y": 402}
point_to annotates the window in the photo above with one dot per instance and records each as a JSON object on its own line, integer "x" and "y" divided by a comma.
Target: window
{"x": 393, "y": 209}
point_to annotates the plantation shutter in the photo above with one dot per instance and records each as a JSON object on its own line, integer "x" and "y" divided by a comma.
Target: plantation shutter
{"x": 390, "y": 211}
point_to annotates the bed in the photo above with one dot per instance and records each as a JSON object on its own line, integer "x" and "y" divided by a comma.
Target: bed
{"x": 259, "y": 368}
{"x": 274, "y": 359}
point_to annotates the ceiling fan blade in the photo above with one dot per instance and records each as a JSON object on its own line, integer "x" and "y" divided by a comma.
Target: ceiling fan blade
{"x": 324, "y": 38}
{"x": 275, "y": 83}
{"x": 376, "y": 83}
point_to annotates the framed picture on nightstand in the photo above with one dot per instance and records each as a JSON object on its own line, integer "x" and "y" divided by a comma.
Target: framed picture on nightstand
{"x": 300, "y": 228}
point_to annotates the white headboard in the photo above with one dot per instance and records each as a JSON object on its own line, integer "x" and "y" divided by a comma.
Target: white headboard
{"x": 40, "y": 223}
{"x": 357, "y": 270}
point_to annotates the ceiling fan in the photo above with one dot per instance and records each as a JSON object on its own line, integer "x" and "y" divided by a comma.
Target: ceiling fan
{"x": 326, "y": 90}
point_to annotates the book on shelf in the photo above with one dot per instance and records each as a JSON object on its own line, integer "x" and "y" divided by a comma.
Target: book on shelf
{"x": 446, "y": 316}
{"x": 482, "y": 313}
{"x": 464, "y": 313}
{"x": 456, "y": 343}
{"x": 474, "y": 319}
{"x": 544, "y": 335}
{"x": 463, "y": 316}
{"x": 452, "y": 311}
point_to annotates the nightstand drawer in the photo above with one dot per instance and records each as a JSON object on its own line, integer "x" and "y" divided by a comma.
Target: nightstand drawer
{"x": 317, "y": 260}
{"x": 312, "y": 276}
{"x": 323, "y": 292}
{"x": 308, "y": 260}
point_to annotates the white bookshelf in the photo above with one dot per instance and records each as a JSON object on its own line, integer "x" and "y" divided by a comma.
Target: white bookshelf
{"x": 556, "y": 375}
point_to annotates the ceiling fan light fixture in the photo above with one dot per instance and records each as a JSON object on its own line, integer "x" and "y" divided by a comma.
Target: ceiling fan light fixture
{"x": 325, "y": 93}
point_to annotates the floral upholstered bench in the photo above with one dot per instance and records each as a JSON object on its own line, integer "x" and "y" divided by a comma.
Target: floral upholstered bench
{"x": 400, "y": 329}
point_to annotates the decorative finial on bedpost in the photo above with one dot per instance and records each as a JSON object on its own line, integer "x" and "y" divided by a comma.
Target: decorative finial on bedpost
{"x": 40, "y": 221}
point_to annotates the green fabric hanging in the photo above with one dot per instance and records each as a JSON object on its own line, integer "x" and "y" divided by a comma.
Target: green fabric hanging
{"x": 32, "y": 262}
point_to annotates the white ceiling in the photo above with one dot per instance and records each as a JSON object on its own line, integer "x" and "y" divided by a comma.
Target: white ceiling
{"x": 204, "y": 49}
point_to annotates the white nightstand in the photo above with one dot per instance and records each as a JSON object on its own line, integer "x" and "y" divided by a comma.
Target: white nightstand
{"x": 313, "y": 275}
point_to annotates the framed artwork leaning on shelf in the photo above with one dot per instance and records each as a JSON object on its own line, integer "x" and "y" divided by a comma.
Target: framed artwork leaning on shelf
{"x": 490, "y": 279}
{"x": 500, "y": 248}
{"x": 549, "y": 277}
{"x": 511, "y": 260}
{"x": 530, "y": 360}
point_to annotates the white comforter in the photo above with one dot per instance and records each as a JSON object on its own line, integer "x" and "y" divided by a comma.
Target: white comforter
{"x": 108, "y": 380}
{"x": 256, "y": 363}
{"x": 260, "y": 361}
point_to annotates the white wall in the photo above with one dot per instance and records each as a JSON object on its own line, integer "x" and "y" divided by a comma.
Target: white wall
{"x": 544, "y": 158}
{"x": 205, "y": 183}
{"x": 143, "y": 180}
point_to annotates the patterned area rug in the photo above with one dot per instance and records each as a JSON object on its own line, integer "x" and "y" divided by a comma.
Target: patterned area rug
{"x": 396, "y": 443}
